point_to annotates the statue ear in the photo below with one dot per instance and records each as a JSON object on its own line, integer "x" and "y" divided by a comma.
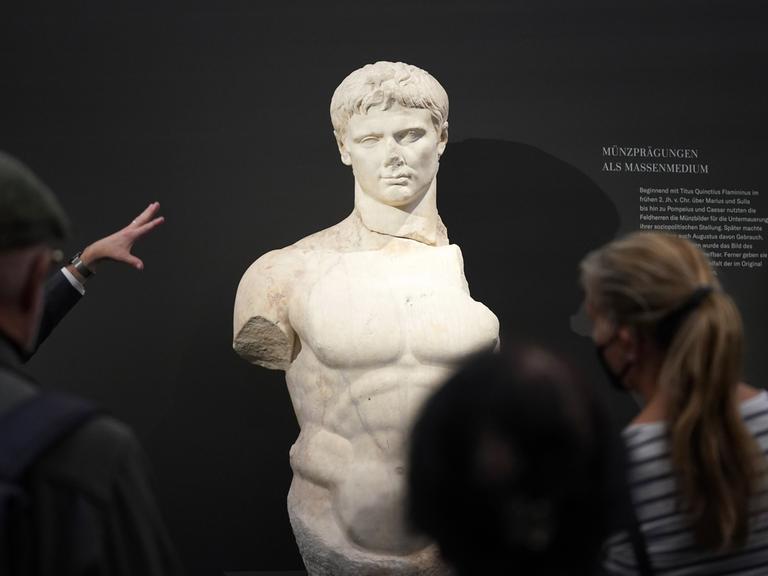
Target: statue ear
{"x": 343, "y": 152}
{"x": 443, "y": 139}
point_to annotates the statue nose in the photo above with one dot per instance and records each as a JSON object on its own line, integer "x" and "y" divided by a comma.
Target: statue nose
{"x": 394, "y": 155}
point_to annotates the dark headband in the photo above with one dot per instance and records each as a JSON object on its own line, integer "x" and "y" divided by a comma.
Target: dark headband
{"x": 669, "y": 324}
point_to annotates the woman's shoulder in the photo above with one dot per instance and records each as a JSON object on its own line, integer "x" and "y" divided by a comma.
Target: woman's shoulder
{"x": 753, "y": 403}
{"x": 754, "y": 407}
{"x": 645, "y": 441}
{"x": 749, "y": 394}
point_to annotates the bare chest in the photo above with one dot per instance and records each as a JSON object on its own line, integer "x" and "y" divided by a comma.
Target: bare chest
{"x": 375, "y": 308}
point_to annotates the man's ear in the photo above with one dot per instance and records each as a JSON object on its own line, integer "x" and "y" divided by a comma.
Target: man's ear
{"x": 443, "y": 139}
{"x": 629, "y": 341}
{"x": 31, "y": 296}
{"x": 343, "y": 152}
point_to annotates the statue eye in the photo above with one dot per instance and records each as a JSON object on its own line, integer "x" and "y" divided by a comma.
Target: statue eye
{"x": 411, "y": 135}
{"x": 369, "y": 140}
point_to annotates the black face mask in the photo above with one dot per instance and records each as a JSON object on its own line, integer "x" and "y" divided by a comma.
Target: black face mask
{"x": 616, "y": 380}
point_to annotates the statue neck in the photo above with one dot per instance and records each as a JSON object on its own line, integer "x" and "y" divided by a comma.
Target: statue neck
{"x": 418, "y": 221}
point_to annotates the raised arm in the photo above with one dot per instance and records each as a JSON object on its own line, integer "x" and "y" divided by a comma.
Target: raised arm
{"x": 62, "y": 294}
{"x": 118, "y": 247}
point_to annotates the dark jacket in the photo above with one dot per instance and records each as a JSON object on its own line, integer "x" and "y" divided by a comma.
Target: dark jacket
{"x": 93, "y": 509}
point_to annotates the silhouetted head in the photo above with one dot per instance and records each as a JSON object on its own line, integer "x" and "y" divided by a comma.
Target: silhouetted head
{"x": 31, "y": 222}
{"x": 514, "y": 466}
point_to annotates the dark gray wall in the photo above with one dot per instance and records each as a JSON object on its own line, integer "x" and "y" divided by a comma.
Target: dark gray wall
{"x": 219, "y": 110}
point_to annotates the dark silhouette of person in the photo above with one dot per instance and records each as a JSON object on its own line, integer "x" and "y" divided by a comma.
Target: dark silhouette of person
{"x": 88, "y": 506}
{"x": 515, "y": 467}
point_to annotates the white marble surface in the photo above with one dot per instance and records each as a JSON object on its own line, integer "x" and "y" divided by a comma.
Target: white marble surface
{"x": 367, "y": 318}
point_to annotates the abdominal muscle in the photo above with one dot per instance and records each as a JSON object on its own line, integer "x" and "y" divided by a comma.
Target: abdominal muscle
{"x": 354, "y": 428}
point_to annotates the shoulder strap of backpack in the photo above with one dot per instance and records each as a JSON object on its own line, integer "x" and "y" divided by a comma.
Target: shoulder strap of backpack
{"x": 28, "y": 429}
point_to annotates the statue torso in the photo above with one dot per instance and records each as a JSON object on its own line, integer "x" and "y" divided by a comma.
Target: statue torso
{"x": 378, "y": 331}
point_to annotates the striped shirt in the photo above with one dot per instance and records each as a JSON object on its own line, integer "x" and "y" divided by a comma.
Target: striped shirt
{"x": 655, "y": 494}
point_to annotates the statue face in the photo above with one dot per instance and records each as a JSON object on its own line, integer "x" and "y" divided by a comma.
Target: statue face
{"x": 393, "y": 153}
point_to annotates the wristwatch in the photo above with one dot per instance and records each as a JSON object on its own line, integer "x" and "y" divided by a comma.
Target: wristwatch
{"x": 80, "y": 266}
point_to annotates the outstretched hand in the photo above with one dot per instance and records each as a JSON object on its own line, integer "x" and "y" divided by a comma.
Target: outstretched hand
{"x": 118, "y": 246}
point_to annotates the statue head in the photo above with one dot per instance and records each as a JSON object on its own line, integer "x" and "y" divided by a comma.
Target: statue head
{"x": 390, "y": 120}
{"x": 383, "y": 84}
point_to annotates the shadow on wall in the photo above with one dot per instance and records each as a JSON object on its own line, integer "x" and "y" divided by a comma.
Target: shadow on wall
{"x": 524, "y": 219}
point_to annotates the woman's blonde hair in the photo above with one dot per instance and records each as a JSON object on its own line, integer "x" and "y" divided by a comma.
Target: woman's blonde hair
{"x": 664, "y": 287}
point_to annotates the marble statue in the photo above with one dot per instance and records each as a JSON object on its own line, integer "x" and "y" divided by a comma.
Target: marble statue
{"x": 366, "y": 318}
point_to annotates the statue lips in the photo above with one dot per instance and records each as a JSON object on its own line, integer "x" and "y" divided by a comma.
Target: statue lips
{"x": 397, "y": 179}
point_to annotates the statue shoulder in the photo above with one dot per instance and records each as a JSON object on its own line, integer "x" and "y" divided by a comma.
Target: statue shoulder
{"x": 274, "y": 267}
{"x": 262, "y": 333}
